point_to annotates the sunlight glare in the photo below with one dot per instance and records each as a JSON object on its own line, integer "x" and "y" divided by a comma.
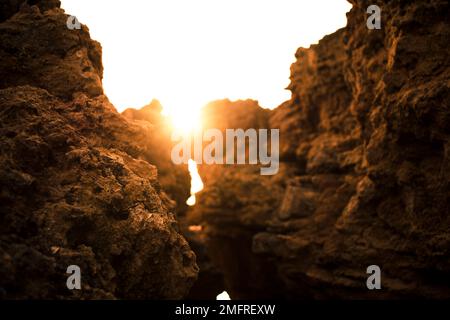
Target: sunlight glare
{"x": 223, "y": 296}
{"x": 185, "y": 121}
{"x": 196, "y": 182}
{"x": 188, "y": 53}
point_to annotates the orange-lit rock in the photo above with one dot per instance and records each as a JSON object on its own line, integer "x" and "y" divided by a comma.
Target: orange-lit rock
{"x": 365, "y": 169}
{"x": 75, "y": 184}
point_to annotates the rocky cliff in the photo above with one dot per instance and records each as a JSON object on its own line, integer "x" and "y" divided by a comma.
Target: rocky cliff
{"x": 77, "y": 180}
{"x": 364, "y": 175}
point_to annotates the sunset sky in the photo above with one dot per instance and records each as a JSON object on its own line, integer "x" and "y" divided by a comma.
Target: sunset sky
{"x": 187, "y": 53}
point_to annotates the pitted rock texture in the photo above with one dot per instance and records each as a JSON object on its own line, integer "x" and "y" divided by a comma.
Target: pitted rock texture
{"x": 44, "y": 53}
{"x": 364, "y": 177}
{"x": 174, "y": 179}
{"x": 76, "y": 186}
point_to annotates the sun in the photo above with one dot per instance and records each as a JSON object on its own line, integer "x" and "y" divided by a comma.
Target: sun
{"x": 184, "y": 112}
{"x": 185, "y": 121}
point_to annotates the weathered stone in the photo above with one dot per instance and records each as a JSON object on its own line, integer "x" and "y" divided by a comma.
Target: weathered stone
{"x": 365, "y": 142}
{"x": 76, "y": 184}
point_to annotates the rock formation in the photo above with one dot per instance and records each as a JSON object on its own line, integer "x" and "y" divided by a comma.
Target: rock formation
{"x": 364, "y": 176}
{"x": 236, "y": 203}
{"x": 174, "y": 179}
{"x": 78, "y": 185}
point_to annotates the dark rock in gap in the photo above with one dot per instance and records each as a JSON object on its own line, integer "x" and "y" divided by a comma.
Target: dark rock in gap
{"x": 364, "y": 174}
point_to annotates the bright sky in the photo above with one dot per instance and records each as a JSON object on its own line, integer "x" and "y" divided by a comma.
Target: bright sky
{"x": 188, "y": 53}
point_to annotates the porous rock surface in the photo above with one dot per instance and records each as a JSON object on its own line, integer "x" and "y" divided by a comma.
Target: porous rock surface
{"x": 364, "y": 174}
{"x": 174, "y": 179}
{"x": 77, "y": 186}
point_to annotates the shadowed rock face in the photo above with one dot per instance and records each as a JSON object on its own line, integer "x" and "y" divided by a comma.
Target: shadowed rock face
{"x": 364, "y": 179}
{"x": 174, "y": 179}
{"x": 236, "y": 203}
{"x": 42, "y": 52}
{"x": 76, "y": 186}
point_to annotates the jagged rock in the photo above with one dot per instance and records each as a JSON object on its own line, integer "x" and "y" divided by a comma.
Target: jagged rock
{"x": 49, "y": 55}
{"x": 75, "y": 184}
{"x": 150, "y": 113}
{"x": 174, "y": 179}
{"x": 11, "y": 7}
{"x": 364, "y": 144}
{"x": 236, "y": 203}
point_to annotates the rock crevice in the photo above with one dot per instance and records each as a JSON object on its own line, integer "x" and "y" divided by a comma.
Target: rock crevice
{"x": 363, "y": 180}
